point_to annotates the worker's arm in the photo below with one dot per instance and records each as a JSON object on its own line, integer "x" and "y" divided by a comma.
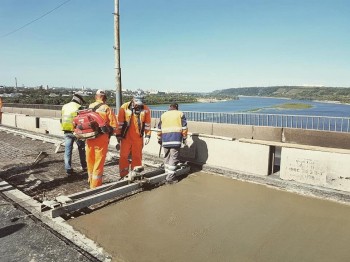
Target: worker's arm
{"x": 147, "y": 122}
{"x": 184, "y": 127}
{"x": 159, "y": 131}
{"x": 121, "y": 120}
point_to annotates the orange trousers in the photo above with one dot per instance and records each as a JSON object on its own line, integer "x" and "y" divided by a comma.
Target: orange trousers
{"x": 129, "y": 145}
{"x": 96, "y": 152}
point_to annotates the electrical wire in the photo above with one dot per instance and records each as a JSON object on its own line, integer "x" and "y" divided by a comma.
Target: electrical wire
{"x": 31, "y": 22}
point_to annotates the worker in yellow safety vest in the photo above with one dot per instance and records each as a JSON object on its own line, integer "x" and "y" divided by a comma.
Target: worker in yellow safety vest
{"x": 97, "y": 148}
{"x": 69, "y": 111}
{"x": 172, "y": 132}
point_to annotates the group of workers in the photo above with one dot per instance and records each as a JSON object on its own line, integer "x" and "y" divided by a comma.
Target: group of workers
{"x": 132, "y": 128}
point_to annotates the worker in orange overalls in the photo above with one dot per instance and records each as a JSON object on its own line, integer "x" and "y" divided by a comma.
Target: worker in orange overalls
{"x": 134, "y": 122}
{"x": 97, "y": 148}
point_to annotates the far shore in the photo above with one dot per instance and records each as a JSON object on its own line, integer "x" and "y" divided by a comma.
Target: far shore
{"x": 287, "y": 98}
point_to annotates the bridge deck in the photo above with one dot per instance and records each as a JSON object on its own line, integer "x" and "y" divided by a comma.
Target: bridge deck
{"x": 202, "y": 218}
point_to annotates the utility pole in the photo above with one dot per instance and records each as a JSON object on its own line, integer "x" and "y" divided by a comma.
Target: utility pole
{"x": 16, "y": 82}
{"x": 118, "y": 78}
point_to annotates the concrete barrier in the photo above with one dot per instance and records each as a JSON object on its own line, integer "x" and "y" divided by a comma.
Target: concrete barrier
{"x": 234, "y": 131}
{"x": 326, "y": 169}
{"x": 200, "y": 127}
{"x": 316, "y": 138}
{"x": 267, "y": 133}
{"x": 222, "y": 153}
{"x": 9, "y": 119}
{"x": 27, "y": 122}
{"x": 33, "y": 112}
{"x": 51, "y": 126}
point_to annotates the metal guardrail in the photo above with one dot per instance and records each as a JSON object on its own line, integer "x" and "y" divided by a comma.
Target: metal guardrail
{"x": 336, "y": 124}
{"x": 325, "y": 123}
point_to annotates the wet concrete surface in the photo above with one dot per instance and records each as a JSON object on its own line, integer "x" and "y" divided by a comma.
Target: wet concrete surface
{"x": 206, "y": 217}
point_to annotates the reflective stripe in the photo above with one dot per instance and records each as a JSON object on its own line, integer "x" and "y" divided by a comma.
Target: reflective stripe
{"x": 184, "y": 128}
{"x": 97, "y": 177}
{"x": 171, "y": 143}
{"x": 171, "y": 129}
{"x": 147, "y": 128}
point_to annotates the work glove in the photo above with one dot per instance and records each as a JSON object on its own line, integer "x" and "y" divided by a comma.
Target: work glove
{"x": 159, "y": 141}
{"x": 147, "y": 140}
{"x": 184, "y": 141}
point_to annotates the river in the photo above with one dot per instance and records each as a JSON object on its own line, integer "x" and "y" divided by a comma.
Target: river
{"x": 246, "y": 104}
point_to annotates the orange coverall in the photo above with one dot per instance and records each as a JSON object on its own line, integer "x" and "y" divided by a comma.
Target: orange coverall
{"x": 131, "y": 128}
{"x": 97, "y": 148}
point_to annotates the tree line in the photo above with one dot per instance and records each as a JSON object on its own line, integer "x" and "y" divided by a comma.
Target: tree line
{"x": 341, "y": 94}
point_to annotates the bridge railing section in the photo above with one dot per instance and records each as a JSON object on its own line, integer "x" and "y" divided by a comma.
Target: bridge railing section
{"x": 325, "y": 123}
{"x": 336, "y": 124}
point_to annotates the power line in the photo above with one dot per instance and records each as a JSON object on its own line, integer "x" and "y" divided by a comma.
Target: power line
{"x": 31, "y": 22}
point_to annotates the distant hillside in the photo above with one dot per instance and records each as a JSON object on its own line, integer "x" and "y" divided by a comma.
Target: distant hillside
{"x": 340, "y": 94}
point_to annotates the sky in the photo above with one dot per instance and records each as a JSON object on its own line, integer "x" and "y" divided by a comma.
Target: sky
{"x": 176, "y": 45}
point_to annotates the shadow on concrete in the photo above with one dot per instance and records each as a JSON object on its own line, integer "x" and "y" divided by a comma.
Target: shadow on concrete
{"x": 9, "y": 230}
{"x": 196, "y": 154}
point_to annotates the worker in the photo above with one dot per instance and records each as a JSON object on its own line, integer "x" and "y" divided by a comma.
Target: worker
{"x": 134, "y": 122}
{"x": 172, "y": 131}
{"x": 69, "y": 111}
{"x": 97, "y": 148}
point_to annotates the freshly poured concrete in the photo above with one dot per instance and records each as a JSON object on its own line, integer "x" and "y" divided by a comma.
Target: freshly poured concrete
{"x": 212, "y": 218}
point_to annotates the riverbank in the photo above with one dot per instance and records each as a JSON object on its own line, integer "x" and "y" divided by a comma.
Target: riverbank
{"x": 212, "y": 100}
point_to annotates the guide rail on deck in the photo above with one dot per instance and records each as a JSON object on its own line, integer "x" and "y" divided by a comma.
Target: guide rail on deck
{"x": 134, "y": 183}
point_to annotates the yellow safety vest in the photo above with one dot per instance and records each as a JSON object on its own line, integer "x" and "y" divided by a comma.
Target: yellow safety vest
{"x": 69, "y": 111}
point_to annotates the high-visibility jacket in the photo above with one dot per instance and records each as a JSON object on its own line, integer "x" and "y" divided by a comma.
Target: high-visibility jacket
{"x": 106, "y": 113}
{"x": 96, "y": 148}
{"x": 69, "y": 111}
{"x": 128, "y": 116}
{"x": 172, "y": 128}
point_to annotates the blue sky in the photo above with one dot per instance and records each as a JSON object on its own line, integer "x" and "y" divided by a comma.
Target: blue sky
{"x": 185, "y": 45}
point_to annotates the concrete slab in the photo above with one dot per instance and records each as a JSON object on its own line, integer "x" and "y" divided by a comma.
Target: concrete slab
{"x": 210, "y": 218}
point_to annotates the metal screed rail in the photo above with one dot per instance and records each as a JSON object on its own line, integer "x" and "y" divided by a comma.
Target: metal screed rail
{"x": 134, "y": 183}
